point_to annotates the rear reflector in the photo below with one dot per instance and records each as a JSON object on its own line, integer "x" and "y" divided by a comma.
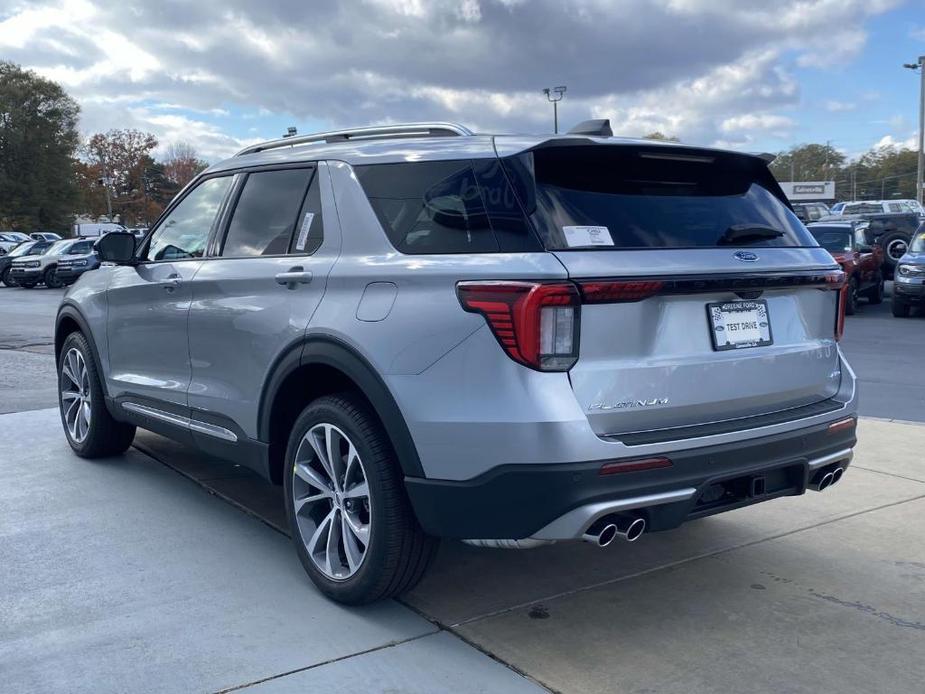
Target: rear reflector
{"x": 535, "y": 322}
{"x": 842, "y": 425}
{"x": 611, "y": 292}
{"x": 618, "y": 466}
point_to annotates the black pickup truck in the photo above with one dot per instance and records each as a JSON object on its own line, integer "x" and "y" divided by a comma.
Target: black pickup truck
{"x": 892, "y": 232}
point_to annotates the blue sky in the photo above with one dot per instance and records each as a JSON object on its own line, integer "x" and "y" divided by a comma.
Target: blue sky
{"x": 746, "y": 74}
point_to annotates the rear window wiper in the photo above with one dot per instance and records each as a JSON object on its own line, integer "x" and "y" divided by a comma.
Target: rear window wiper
{"x": 741, "y": 233}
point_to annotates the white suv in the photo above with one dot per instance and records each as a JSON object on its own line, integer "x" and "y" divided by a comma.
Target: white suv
{"x": 31, "y": 270}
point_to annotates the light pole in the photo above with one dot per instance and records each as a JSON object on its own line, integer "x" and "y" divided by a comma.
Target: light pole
{"x": 920, "y": 66}
{"x": 555, "y": 96}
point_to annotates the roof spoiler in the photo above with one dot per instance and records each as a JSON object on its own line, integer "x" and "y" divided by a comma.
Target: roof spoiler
{"x": 598, "y": 127}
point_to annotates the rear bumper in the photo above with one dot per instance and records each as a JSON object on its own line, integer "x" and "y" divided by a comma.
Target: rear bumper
{"x": 560, "y": 501}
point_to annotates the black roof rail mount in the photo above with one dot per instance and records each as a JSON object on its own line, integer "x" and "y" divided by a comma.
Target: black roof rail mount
{"x": 597, "y": 127}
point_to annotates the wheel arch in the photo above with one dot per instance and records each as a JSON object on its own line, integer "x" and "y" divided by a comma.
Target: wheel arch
{"x": 70, "y": 320}
{"x": 318, "y": 366}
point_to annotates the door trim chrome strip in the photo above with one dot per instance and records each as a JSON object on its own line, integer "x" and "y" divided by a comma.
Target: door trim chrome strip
{"x": 181, "y": 421}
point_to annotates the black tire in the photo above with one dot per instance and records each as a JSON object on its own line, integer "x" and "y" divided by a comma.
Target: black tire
{"x": 7, "y": 278}
{"x": 851, "y": 301}
{"x": 50, "y": 278}
{"x": 900, "y": 308}
{"x": 106, "y": 437}
{"x": 398, "y": 551}
{"x": 875, "y": 293}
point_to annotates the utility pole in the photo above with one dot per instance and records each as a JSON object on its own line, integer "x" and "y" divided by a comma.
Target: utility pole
{"x": 920, "y": 66}
{"x": 554, "y": 95}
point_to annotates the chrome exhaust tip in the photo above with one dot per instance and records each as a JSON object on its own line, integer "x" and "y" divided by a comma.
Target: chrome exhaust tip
{"x": 836, "y": 476}
{"x": 822, "y": 481}
{"x": 630, "y": 528}
{"x": 602, "y": 537}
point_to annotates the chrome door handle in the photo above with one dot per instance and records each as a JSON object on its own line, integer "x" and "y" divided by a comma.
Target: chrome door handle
{"x": 293, "y": 277}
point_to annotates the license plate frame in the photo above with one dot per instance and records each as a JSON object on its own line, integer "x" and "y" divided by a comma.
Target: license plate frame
{"x": 718, "y": 314}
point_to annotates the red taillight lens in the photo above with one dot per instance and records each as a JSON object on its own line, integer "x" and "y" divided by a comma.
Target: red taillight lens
{"x": 840, "y": 313}
{"x": 842, "y": 424}
{"x": 637, "y": 465}
{"x": 536, "y": 323}
{"x": 612, "y": 292}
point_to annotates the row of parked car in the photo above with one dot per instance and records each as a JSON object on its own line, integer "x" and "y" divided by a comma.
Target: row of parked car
{"x": 52, "y": 263}
{"x": 10, "y": 239}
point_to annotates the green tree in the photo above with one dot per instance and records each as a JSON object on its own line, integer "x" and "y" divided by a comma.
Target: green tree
{"x": 121, "y": 157}
{"x": 810, "y": 162}
{"x": 885, "y": 173}
{"x": 38, "y": 142}
{"x": 659, "y": 135}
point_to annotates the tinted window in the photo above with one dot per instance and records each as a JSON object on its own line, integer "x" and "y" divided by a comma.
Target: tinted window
{"x": 184, "y": 232}
{"x": 833, "y": 239}
{"x": 446, "y": 207}
{"x": 81, "y": 248}
{"x": 604, "y": 197}
{"x": 265, "y": 215}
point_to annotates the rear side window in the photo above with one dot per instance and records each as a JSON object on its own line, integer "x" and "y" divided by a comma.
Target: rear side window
{"x": 446, "y": 207}
{"x": 609, "y": 197}
{"x": 265, "y": 215}
{"x": 81, "y": 248}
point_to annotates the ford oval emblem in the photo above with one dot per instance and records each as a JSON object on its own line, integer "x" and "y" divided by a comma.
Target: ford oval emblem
{"x": 746, "y": 256}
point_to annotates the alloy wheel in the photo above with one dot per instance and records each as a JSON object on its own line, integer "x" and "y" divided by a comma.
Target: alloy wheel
{"x": 896, "y": 249}
{"x": 331, "y": 502}
{"x": 75, "y": 394}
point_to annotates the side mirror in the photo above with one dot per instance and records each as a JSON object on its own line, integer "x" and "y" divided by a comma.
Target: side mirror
{"x": 117, "y": 247}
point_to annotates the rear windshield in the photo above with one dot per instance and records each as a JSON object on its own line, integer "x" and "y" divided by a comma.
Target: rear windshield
{"x": 918, "y": 245}
{"x": 604, "y": 197}
{"x": 833, "y": 239}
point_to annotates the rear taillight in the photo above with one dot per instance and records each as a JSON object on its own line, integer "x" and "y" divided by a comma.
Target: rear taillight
{"x": 535, "y": 322}
{"x": 836, "y": 280}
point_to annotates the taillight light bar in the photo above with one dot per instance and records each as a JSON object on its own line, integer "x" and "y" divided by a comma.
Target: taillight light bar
{"x": 618, "y": 291}
{"x": 618, "y": 466}
{"x": 537, "y": 323}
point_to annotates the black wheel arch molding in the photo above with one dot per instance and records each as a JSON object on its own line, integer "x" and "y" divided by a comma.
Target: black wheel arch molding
{"x": 330, "y": 351}
{"x": 70, "y": 312}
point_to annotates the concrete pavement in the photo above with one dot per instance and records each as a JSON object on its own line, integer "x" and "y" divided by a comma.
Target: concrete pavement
{"x": 121, "y": 575}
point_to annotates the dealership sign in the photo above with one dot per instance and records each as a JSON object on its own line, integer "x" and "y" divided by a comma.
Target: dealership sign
{"x": 809, "y": 190}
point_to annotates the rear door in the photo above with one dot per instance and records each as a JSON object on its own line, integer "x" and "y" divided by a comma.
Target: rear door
{"x": 253, "y": 298}
{"x": 705, "y": 299}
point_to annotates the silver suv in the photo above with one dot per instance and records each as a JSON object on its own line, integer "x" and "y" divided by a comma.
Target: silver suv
{"x": 421, "y": 332}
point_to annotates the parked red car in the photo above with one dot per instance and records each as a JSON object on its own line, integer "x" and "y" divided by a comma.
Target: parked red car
{"x": 861, "y": 260}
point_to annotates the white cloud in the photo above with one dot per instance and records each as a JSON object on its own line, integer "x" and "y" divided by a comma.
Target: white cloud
{"x": 840, "y": 106}
{"x": 704, "y": 70}
{"x": 890, "y": 141}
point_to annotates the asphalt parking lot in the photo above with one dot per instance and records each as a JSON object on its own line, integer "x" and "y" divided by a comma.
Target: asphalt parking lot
{"x": 167, "y": 571}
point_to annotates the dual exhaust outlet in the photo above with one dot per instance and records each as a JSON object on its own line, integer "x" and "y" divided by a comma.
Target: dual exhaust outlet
{"x": 625, "y": 527}
{"x": 826, "y": 478}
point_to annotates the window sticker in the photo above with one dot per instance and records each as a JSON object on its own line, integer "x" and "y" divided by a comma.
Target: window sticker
{"x": 303, "y": 232}
{"x": 576, "y": 237}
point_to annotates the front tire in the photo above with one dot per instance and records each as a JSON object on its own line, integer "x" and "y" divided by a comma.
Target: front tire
{"x": 50, "y": 278}
{"x": 351, "y": 523}
{"x": 851, "y": 303}
{"x": 900, "y": 308}
{"x": 89, "y": 428}
{"x": 7, "y": 278}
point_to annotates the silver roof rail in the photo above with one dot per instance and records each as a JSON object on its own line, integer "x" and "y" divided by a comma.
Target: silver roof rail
{"x": 374, "y": 132}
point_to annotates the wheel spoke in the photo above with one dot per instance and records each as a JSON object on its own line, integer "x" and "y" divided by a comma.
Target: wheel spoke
{"x": 68, "y": 395}
{"x": 66, "y": 370}
{"x": 359, "y": 530}
{"x": 357, "y": 492}
{"x": 332, "y": 445}
{"x": 320, "y": 448}
{"x": 331, "y": 553}
{"x": 323, "y": 528}
{"x": 313, "y": 478}
{"x": 353, "y": 553}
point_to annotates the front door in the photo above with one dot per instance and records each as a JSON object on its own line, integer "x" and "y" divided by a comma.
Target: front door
{"x": 149, "y": 304}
